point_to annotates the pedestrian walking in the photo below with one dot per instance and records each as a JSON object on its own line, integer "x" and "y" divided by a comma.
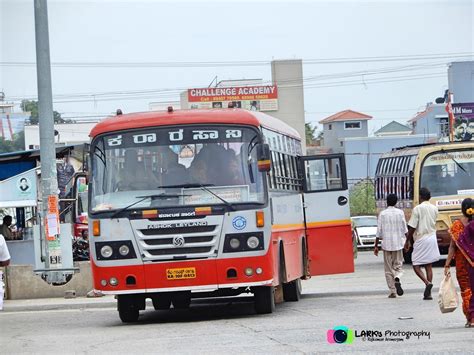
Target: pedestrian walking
{"x": 391, "y": 229}
{"x": 422, "y": 236}
{"x": 5, "y": 227}
{"x": 463, "y": 262}
{"x": 4, "y": 261}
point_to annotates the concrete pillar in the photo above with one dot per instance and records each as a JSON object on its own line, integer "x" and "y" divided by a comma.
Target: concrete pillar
{"x": 288, "y": 76}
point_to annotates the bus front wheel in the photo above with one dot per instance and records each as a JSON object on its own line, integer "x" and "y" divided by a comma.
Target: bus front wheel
{"x": 128, "y": 309}
{"x": 264, "y": 299}
{"x": 292, "y": 291}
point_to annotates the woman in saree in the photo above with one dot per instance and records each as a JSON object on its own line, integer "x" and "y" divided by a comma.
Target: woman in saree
{"x": 462, "y": 250}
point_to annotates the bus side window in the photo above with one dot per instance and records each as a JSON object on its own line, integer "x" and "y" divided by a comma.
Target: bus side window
{"x": 410, "y": 185}
{"x": 402, "y": 187}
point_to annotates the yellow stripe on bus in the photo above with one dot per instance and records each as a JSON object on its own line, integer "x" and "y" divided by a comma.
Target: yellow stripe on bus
{"x": 336, "y": 222}
{"x": 287, "y": 227}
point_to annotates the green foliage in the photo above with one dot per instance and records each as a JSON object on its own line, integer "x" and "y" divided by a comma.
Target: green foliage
{"x": 362, "y": 199}
{"x": 309, "y": 131}
{"x": 18, "y": 143}
{"x": 32, "y": 107}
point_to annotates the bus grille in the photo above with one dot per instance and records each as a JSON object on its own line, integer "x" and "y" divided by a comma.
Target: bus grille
{"x": 200, "y": 242}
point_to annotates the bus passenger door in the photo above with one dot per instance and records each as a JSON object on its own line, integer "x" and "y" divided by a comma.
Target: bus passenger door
{"x": 327, "y": 214}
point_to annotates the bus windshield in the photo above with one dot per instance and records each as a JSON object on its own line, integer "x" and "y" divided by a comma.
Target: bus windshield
{"x": 448, "y": 173}
{"x": 174, "y": 166}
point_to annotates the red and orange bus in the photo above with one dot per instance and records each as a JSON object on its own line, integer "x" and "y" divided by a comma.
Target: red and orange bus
{"x": 211, "y": 203}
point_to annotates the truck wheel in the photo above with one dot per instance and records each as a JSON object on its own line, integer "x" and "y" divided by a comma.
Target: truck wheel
{"x": 264, "y": 299}
{"x": 181, "y": 300}
{"x": 292, "y": 291}
{"x": 128, "y": 309}
{"x": 162, "y": 302}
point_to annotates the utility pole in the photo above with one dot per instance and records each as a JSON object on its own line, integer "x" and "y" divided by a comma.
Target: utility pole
{"x": 49, "y": 182}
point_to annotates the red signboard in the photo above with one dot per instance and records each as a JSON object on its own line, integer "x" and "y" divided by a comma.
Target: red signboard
{"x": 239, "y": 93}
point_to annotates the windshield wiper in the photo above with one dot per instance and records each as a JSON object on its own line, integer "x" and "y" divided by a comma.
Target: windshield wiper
{"x": 204, "y": 188}
{"x": 186, "y": 186}
{"x": 455, "y": 161}
{"x": 143, "y": 198}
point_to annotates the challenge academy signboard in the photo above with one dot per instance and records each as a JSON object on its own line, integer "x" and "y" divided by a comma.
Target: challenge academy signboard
{"x": 255, "y": 98}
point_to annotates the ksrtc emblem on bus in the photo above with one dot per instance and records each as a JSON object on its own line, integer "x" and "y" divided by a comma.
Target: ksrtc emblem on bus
{"x": 239, "y": 222}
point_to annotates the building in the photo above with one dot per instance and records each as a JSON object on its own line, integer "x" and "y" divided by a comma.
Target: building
{"x": 432, "y": 120}
{"x": 67, "y": 134}
{"x": 283, "y": 98}
{"x": 362, "y": 154}
{"x": 461, "y": 81}
{"x": 394, "y": 128}
{"x": 342, "y": 125}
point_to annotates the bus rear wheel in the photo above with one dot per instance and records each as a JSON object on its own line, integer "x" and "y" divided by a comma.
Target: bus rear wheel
{"x": 292, "y": 291}
{"x": 128, "y": 309}
{"x": 264, "y": 299}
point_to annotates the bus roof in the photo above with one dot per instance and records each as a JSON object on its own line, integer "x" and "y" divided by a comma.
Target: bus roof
{"x": 196, "y": 116}
{"x": 24, "y": 155}
{"x": 414, "y": 149}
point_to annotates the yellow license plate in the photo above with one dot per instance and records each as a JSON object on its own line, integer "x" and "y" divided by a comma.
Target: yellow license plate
{"x": 181, "y": 273}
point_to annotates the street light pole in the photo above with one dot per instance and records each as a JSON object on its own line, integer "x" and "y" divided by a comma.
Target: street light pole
{"x": 49, "y": 182}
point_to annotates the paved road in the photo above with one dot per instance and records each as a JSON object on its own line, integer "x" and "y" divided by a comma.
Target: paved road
{"x": 357, "y": 300}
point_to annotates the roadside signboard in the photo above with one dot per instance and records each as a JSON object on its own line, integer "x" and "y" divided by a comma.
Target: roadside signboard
{"x": 254, "y": 98}
{"x": 463, "y": 124}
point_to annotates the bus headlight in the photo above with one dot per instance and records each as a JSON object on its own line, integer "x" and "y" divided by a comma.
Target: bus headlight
{"x": 234, "y": 243}
{"x": 124, "y": 250}
{"x": 115, "y": 250}
{"x": 242, "y": 242}
{"x": 253, "y": 242}
{"x": 106, "y": 251}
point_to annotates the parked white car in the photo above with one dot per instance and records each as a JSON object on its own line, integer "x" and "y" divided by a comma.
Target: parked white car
{"x": 364, "y": 229}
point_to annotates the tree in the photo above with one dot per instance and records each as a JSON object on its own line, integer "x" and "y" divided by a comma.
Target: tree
{"x": 32, "y": 107}
{"x": 362, "y": 199}
{"x": 309, "y": 131}
{"x": 18, "y": 143}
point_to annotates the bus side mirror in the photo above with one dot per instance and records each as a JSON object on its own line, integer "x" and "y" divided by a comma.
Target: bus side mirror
{"x": 263, "y": 157}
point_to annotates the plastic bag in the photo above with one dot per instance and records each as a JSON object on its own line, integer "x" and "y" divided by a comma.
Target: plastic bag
{"x": 447, "y": 298}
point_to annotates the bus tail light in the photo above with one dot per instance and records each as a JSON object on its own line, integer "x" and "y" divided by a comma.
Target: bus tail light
{"x": 96, "y": 228}
{"x": 260, "y": 218}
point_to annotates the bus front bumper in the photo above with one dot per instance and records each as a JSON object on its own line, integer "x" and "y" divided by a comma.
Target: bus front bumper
{"x": 199, "y": 275}
{"x": 444, "y": 239}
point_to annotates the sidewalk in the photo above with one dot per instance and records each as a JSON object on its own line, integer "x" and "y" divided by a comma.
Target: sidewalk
{"x": 48, "y": 304}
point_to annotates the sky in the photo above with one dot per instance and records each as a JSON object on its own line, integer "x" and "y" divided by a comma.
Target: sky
{"x": 140, "y": 32}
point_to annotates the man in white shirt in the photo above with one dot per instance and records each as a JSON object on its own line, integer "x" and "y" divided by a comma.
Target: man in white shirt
{"x": 4, "y": 261}
{"x": 422, "y": 235}
{"x": 391, "y": 228}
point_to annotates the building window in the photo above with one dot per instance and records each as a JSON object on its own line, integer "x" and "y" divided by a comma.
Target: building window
{"x": 352, "y": 125}
{"x": 330, "y": 127}
{"x": 342, "y": 144}
{"x": 444, "y": 127}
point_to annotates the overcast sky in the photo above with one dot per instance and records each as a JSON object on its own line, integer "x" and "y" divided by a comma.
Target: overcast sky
{"x": 159, "y": 31}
